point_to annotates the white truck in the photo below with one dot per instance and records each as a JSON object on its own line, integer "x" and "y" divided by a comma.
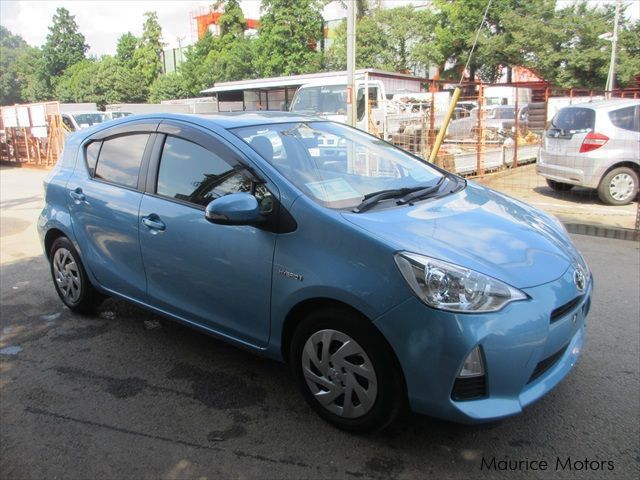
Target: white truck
{"x": 327, "y": 98}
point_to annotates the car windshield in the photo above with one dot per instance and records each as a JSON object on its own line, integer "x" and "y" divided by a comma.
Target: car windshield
{"x": 335, "y": 165}
{"x": 89, "y": 119}
{"x": 326, "y": 100}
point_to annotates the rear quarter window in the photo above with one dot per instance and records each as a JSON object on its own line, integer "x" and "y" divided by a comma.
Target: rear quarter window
{"x": 91, "y": 154}
{"x": 575, "y": 119}
{"x": 626, "y": 118}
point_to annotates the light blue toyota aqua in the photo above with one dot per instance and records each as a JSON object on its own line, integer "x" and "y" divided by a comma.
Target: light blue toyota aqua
{"x": 378, "y": 277}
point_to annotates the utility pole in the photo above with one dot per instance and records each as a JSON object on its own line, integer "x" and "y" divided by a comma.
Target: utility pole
{"x": 351, "y": 62}
{"x": 611, "y": 78}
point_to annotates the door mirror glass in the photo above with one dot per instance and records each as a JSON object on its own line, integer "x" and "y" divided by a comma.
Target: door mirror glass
{"x": 234, "y": 209}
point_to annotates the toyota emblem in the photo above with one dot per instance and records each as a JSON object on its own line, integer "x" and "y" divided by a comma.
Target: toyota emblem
{"x": 579, "y": 279}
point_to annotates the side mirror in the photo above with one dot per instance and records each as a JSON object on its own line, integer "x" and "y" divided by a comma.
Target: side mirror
{"x": 234, "y": 209}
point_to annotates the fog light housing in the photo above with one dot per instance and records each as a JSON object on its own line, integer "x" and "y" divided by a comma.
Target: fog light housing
{"x": 473, "y": 366}
{"x": 471, "y": 382}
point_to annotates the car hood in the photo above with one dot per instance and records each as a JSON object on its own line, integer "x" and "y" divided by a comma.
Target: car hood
{"x": 480, "y": 229}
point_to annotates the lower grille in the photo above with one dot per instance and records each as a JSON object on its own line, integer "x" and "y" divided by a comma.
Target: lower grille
{"x": 560, "y": 312}
{"x": 469, "y": 388}
{"x": 547, "y": 363}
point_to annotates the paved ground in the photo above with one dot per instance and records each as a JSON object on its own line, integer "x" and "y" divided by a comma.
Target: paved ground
{"x": 123, "y": 394}
{"x": 578, "y": 205}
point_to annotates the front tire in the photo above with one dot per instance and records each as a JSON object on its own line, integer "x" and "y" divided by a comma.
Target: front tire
{"x": 619, "y": 186}
{"x": 346, "y": 371}
{"x": 559, "y": 186}
{"x": 70, "y": 278}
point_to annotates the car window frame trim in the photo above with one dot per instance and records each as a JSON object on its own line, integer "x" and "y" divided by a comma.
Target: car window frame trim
{"x": 130, "y": 128}
{"x": 200, "y": 137}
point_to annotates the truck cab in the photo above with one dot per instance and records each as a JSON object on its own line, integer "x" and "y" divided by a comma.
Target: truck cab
{"x": 329, "y": 100}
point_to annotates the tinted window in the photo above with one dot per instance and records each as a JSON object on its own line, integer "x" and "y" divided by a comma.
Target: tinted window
{"x": 68, "y": 124}
{"x": 575, "y": 119}
{"x": 93, "y": 149}
{"x": 120, "y": 158}
{"x": 625, "y": 118}
{"x": 194, "y": 174}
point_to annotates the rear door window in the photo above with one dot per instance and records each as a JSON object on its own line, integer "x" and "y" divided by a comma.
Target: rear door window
{"x": 120, "y": 158}
{"x": 575, "y": 120}
{"x": 626, "y": 118}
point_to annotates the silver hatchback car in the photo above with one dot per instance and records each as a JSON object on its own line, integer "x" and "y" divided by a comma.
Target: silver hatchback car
{"x": 594, "y": 145}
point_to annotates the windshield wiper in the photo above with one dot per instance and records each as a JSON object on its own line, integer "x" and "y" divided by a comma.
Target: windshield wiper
{"x": 371, "y": 199}
{"x": 423, "y": 192}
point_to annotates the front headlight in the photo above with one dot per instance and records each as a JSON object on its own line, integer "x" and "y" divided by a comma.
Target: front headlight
{"x": 450, "y": 287}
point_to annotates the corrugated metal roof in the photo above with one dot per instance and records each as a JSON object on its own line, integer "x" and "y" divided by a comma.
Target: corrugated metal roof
{"x": 293, "y": 80}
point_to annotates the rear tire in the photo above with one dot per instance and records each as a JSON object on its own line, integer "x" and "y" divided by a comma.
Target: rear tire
{"x": 70, "y": 278}
{"x": 559, "y": 186}
{"x": 346, "y": 371}
{"x": 619, "y": 186}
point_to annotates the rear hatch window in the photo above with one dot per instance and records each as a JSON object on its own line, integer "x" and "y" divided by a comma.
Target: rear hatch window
{"x": 569, "y": 121}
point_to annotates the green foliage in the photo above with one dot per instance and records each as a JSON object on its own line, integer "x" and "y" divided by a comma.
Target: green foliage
{"x": 125, "y": 50}
{"x": 65, "y": 46}
{"x": 219, "y": 59}
{"x": 34, "y": 85}
{"x": 102, "y": 81}
{"x": 168, "y": 87}
{"x": 146, "y": 57}
{"x": 386, "y": 38}
{"x": 288, "y": 29}
{"x": 11, "y": 47}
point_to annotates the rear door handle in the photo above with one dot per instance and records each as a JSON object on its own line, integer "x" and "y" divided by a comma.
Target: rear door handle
{"x": 77, "y": 196}
{"x": 153, "y": 222}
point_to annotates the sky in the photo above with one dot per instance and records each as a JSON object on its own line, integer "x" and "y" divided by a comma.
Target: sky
{"x": 103, "y": 22}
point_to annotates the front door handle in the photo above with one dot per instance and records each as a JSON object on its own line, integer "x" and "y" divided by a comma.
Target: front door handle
{"x": 77, "y": 196}
{"x": 153, "y": 222}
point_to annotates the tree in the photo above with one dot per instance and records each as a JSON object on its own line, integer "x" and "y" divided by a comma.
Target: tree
{"x": 125, "y": 50}
{"x": 168, "y": 87}
{"x": 34, "y": 83}
{"x": 147, "y": 56}
{"x": 101, "y": 81}
{"x": 289, "y": 32}
{"x": 232, "y": 22}
{"x": 218, "y": 59}
{"x": 11, "y": 46}
{"x": 629, "y": 54}
{"x": 372, "y": 48}
{"x": 193, "y": 69}
{"x": 65, "y": 46}
{"x": 385, "y": 39}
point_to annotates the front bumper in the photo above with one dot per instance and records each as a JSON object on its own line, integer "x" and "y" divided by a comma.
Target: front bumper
{"x": 526, "y": 354}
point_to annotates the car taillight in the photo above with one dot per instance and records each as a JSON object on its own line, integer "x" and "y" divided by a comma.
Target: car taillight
{"x": 593, "y": 141}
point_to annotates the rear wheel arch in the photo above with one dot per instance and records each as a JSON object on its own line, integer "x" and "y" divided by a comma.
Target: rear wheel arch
{"x": 51, "y": 236}
{"x": 633, "y": 166}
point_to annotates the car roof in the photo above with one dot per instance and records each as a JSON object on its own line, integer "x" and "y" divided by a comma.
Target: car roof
{"x": 607, "y": 104}
{"x": 227, "y": 120}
